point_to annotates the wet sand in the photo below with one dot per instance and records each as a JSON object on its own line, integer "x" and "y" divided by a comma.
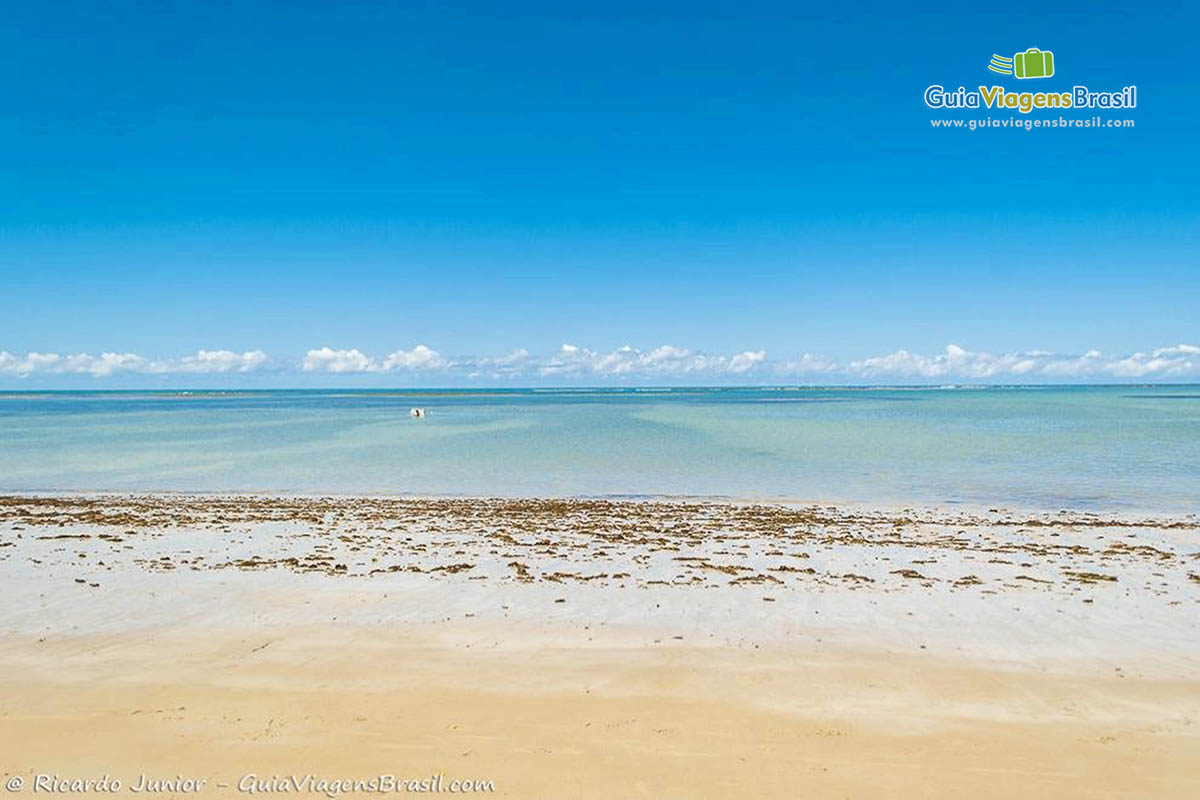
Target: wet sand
{"x": 563, "y": 648}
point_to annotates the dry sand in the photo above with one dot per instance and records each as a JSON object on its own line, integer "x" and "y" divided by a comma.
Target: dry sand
{"x": 600, "y": 649}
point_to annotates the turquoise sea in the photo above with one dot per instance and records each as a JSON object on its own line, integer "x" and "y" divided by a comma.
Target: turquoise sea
{"x": 1103, "y": 448}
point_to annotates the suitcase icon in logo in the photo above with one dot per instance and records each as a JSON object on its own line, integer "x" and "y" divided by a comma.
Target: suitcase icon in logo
{"x": 1033, "y": 63}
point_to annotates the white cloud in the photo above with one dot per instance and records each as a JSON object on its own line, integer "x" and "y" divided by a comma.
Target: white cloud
{"x": 956, "y": 363}
{"x": 420, "y": 357}
{"x": 106, "y": 364}
{"x": 1178, "y": 350}
{"x": 807, "y": 364}
{"x": 1166, "y": 361}
{"x": 665, "y": 363}
{"x": 511, "y": 365}
{"x": 327, "y": 359}
{"x": 209, "y": 361}
{"x": 744, "y": 362}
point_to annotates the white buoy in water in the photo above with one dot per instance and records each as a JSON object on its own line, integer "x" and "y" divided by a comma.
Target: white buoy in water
{"x": 416, "y": 412}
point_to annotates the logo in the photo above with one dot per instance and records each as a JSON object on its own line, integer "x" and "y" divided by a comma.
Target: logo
{"x": 1033, "y": 63}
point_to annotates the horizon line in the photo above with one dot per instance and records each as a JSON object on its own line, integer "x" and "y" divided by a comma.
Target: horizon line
{"x": 589, "y": 387}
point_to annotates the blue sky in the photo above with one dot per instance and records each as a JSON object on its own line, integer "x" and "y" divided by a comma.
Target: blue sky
{"x": 488, "y": 180}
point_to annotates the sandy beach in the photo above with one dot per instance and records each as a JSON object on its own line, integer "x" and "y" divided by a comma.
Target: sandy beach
{"x": 597, "y": 648}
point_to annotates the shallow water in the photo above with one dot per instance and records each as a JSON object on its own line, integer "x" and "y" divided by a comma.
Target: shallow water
{"x": 1104, "y": 448}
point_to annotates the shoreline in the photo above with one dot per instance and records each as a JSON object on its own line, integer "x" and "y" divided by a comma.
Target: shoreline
{"x": 1118, "y": 513}
{"x": 599, "y": 648}
{"x": 727, "y": 571}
